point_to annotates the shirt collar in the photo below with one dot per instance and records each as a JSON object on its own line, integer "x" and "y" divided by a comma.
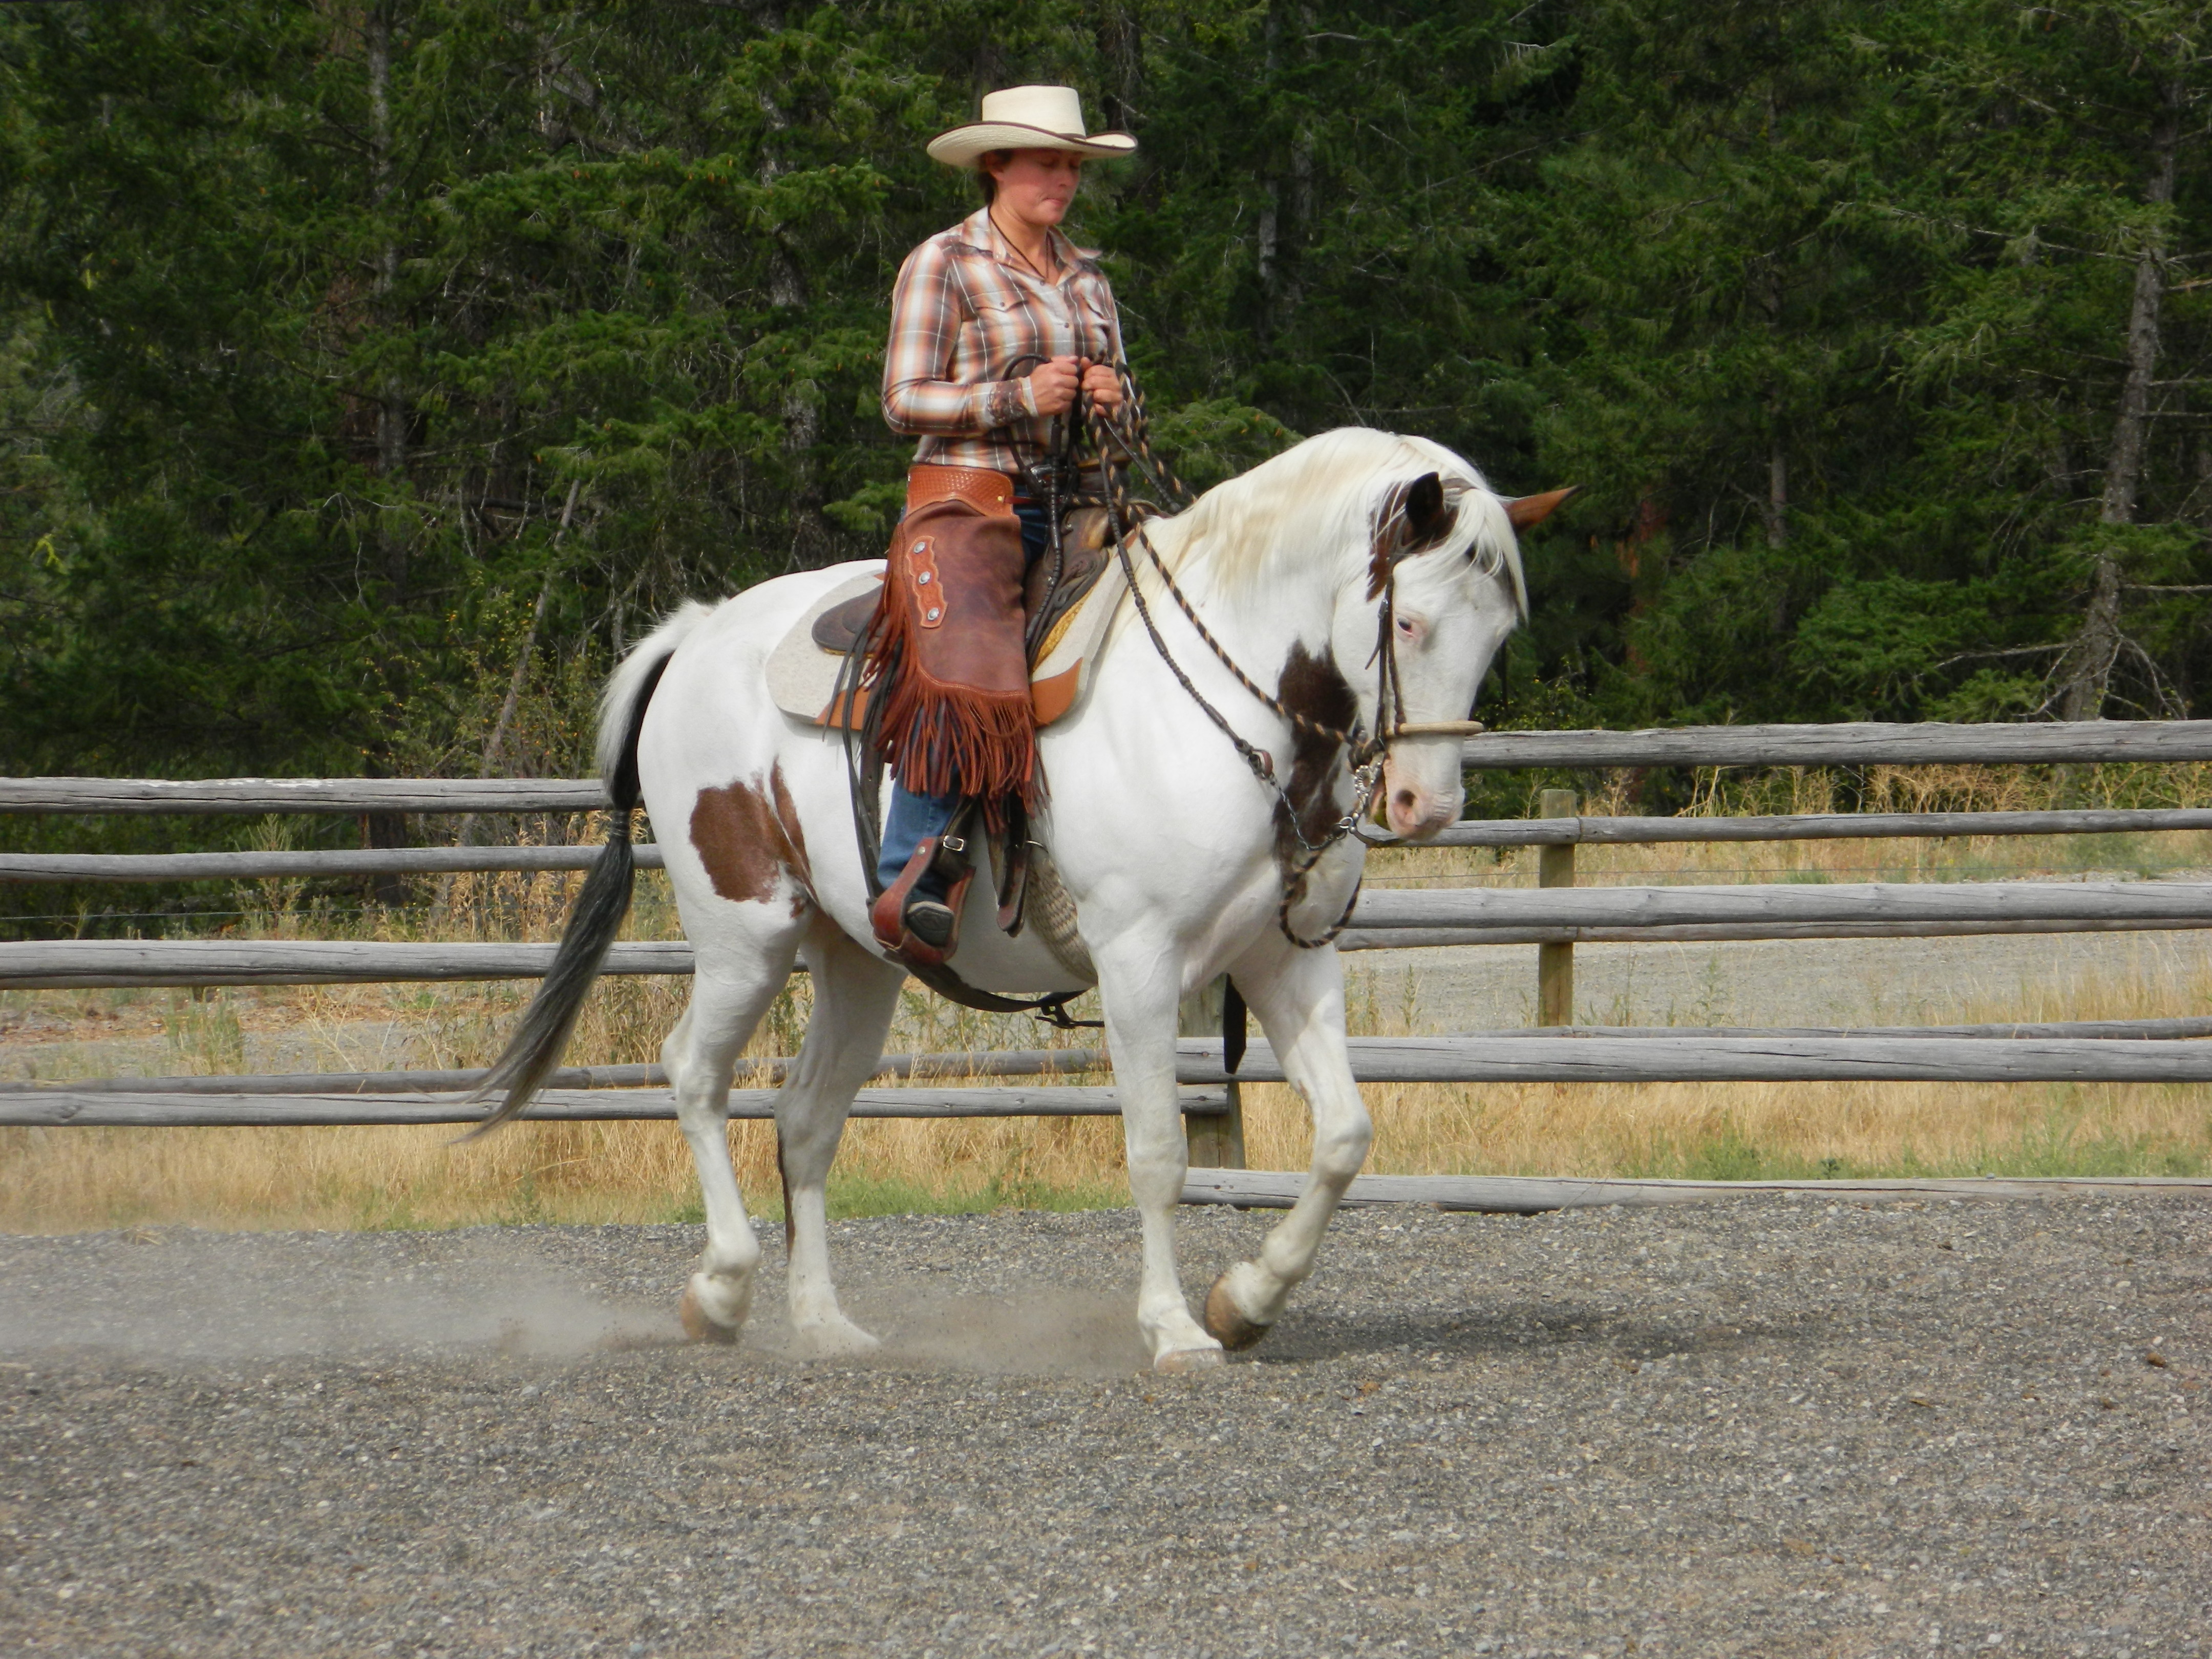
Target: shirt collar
{"x": 980, "y": 231}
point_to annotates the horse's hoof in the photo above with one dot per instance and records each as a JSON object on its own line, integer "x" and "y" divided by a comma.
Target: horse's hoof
{"x": 697, "y": 1325}
{"x": 1179, "y": 1360}
{"x": 1226, "y": 1322}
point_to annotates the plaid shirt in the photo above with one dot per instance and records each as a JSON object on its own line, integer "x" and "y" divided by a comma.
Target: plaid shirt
{"x": 964, "y": 314}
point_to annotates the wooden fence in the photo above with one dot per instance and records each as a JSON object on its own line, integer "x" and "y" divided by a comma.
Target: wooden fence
{"x": 1556, "y": 915}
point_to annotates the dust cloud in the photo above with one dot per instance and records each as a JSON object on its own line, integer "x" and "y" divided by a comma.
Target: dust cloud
{"x": 184, "y": 1296}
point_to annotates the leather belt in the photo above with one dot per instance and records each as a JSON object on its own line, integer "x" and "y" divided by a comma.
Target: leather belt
{"x": 992, "y": 493}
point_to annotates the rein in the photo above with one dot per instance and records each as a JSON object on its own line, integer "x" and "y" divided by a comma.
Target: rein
{"x": 1365, "y": 753}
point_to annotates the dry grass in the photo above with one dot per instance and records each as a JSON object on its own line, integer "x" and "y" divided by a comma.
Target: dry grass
{"x": 63, "y": 1180}
{"x": 1742, "y": 1131}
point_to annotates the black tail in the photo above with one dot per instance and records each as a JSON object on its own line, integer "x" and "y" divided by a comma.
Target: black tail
{"x": 539, "y": 1041}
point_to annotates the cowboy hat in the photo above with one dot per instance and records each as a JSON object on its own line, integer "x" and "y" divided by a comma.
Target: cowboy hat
{"x": 1027, "y": 118}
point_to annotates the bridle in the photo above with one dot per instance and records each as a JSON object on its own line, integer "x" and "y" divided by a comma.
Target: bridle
{"x": 1366, "y": 752}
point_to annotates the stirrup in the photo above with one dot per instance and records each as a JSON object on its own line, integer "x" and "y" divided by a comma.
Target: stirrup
{"x": 922, "y": 929}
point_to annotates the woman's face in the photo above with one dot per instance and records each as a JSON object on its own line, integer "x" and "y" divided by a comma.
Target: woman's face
{"x": 1036, "y": 186}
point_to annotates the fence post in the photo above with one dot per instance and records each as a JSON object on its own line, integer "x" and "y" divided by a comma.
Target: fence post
{"x": 1216, "y": 1141}
{"x": 1555, "y": 963}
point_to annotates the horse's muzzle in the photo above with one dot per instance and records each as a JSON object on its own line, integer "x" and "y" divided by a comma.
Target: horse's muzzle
{"x": 1415, "y": 810}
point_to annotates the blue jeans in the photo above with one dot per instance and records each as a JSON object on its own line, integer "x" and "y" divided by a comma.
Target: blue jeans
{"x": 913, "y": 818}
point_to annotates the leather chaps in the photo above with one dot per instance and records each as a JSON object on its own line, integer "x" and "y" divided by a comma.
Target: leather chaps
{"x": 946, "y": 655}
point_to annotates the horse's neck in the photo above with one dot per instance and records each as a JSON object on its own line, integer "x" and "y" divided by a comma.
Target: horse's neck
{"x": 1257, "y": 610}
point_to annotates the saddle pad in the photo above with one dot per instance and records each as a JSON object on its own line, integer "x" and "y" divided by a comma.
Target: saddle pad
{"x": 802, "y": 676}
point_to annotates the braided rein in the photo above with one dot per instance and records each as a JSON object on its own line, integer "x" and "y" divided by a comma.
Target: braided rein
{"x": 1366, "y": 752}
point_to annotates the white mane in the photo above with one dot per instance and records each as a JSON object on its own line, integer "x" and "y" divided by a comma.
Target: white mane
{"x": 1317, "y": 500}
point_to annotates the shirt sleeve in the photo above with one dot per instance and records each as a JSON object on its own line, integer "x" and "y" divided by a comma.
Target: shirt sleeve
{"x": 1101, "y": 295}
{"x": 920, "y": 394}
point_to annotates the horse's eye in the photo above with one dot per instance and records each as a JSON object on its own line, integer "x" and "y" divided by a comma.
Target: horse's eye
{"x": 1408, "y": 628}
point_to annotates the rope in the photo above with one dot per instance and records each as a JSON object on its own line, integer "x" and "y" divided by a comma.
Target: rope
{"x": 1366, "y": 752}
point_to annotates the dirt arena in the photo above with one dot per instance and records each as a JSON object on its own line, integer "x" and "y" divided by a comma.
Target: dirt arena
{"x": 1769, "y": 1426}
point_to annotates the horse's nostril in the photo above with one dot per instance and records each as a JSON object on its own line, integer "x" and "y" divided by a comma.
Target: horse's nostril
{"x": 1403, "y": 800}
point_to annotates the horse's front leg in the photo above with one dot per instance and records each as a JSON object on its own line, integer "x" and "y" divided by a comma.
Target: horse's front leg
{"x": 1141, "y": 989}
{"x": 1299, "y": 998}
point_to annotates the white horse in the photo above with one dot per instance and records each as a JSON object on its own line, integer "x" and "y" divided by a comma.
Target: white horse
{"x": 1176, "y": 853}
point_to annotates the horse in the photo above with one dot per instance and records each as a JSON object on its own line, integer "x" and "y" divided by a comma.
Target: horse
{"x": 1201, "y": 825}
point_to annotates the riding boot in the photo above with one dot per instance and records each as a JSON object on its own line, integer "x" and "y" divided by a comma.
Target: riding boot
{"x": 911, "y": 820}
{"x": 909, "y": 921}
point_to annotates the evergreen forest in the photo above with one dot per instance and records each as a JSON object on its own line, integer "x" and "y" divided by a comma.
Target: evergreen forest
{"x": 370, "y": 373}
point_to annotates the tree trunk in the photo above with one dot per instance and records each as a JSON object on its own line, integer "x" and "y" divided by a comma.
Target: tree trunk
{"x": 1287, "y": 212}
{"x": 1776, "y": 510}
{"x": 391, "y": 395}
{"x": 812, "y": 545}
{"x": 1121, "y": 52}
{"x": 2087, "y": 666}
{"x": 1267, "y": 236}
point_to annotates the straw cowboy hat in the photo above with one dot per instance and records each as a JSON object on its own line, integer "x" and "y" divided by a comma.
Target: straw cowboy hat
{"x": 1028, "y": 117}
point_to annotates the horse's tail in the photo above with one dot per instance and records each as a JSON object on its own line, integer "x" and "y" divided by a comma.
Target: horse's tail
{"x": 537, "y": 1043}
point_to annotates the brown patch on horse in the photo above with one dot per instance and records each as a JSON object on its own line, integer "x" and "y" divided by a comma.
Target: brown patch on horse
{"x": 1414, "y": 516}
{"x": 749, "y": 838}
{"x": 1311, "y": 686}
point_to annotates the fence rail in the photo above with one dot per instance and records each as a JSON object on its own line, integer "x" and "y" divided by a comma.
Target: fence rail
{"x": 1856, "y": 903}
{"x": 1199, "y": 1057}
{"x": 1854, "y": 743}
{"x": 2154, "y": 1052}
{"x": 1381, "y": 920}
{"x": 114, "y": 1109}
{"x": 1480, "y": 832}
{"x": 1722, "y": 932}
{"x": 1641, "y": 1056}
{"x": 85, "y": 964}
{"x": 1694, "y": 1057}
{"x": 346, "y": 861}
{"x": 260, "y": 795}
{"x": 1845, "y": 744}
{"x": 1803, "y": 826}
{"x": 1271, "y": 1189}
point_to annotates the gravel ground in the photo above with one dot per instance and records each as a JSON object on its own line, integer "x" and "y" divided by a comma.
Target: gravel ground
{"x": 1772, "y": 1426}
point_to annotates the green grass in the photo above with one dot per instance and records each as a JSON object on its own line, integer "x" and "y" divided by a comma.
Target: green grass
{"x": 852, "y": 1197}
{"x": 2056, "y": 1147}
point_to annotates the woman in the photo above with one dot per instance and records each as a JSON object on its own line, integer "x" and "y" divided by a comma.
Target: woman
{"x": 996, "y": 325}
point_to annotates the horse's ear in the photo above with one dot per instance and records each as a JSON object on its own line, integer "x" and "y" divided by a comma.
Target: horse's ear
{"x": 1527, "y": 512}
{"x": 1428, "y": 519}
{"x": 1412, "y": 518}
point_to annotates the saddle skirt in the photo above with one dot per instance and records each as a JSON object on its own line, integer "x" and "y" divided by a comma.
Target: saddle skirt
{"x": 803, "y": 670}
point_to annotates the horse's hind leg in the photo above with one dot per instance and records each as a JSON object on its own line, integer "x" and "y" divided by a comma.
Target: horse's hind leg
{"x": 700, "y": 1056}
{"x": 1299, "y": 997}
{"x": 855, "y": 993}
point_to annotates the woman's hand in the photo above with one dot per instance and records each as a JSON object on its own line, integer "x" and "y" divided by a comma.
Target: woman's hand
{"x": 1102, "y": 385}
{"x": 1053, "y": 384}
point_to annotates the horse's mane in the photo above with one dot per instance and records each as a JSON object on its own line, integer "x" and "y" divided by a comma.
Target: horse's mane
{"x": 1319, "y": 498}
